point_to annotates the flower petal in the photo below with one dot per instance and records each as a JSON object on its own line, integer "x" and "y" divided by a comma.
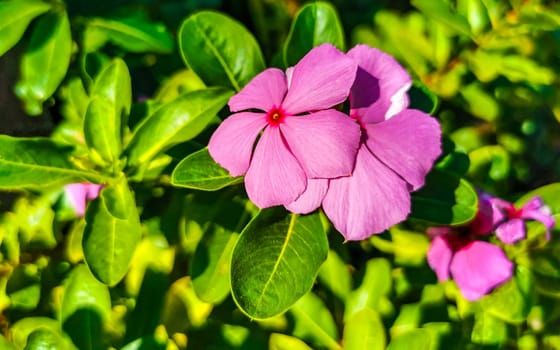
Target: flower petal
{"x": 479, "y": 267}
{"x": 320, "y": 80}
{"x": 369, "y": 201}
{"x": 325, "y": 143}
{"x": 274, "y": 177}
{"x": 76, "y": 195}
{"x": 439, "y": 257}
{"x": 232, "y": 142}
{"x": 379, "y": 91}
{"x": 408, "y": 143}
{"x": 311, "y": 198}
{"x": 511, "y": 231}
{"x": 92, "y": 191}
{"x": 487, "y": 216}
{"x": 264, "y": 91}
{"x": 542, "y": 215}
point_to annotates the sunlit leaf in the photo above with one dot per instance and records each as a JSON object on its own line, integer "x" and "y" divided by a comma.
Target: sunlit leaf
{"x": 364, "y": 330}
{"x": 313, "y": 322}
{"x": 285, "y": 342}
{"x": 289, "y": 250}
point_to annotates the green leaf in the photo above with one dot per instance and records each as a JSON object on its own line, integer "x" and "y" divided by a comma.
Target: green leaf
{"x": 210, "y": 267}
{"x": 15, "y": 16}
{"x": 364, "y": 330}
{"x": 113, "y": 84}
{"x": 422, "y": 98}
{"x": 46, "y": 339}
{"x": 175, "y": 122}
{"x": 315, "y": 24}
{"x": 6, "y": 344}
{"x": 22, "y": 329}
{"x": 440, "y": 11}
{"x": 220, "y": 50}
{"x": 112, "y": 232}
{"x": 38, "y": 162}
{"x": 45, "y": 61}
{"x": 417, "y": 339}
{"x": 86, "y": 306}
{"x": 446, "y": 199}
{"x": 313, "y": 322}
{"x": 100, "y": 130}
{"x": 276, "y": 260}
{"x": 285, "y": 342}
{"x": 335, "y": 275}
{"x": 200, "y": 172}
{"x": 489, "y": 330}
{"x": 133, "y": 33}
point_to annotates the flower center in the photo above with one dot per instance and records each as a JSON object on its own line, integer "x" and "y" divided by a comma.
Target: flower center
{"x": 275, "y": 116}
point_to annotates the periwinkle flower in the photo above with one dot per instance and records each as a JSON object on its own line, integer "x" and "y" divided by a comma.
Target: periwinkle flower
{"x": 79, "y": 193}
{"x": 300, "y": 136}
{"x": 398, "y": 147}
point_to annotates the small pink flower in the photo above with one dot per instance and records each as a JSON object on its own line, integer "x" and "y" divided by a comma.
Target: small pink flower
{"x": 510, "y": 222}
{"x": 301, "y": 137}
{"x": 79, "y": 193}
{"x": 397, "y": 149}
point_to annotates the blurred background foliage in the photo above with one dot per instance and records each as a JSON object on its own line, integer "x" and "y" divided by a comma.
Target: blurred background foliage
{"x": 489, "y": 71}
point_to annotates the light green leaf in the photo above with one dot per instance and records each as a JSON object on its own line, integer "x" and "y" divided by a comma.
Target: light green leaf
{"x": 364, "y": 330}
{"x": 22, "y": 329}
{"x": 313, "y": 322}
{"x": 15, "y": 16}
{"x": 446, "y": 199}
{"x": 276, "y": 260}
{"x": 315, "y": 24}
{"x": 86, "y": 306}
{"x": 335, "y": 275}
{"x": 200, "y": 172}
{"x": 175, "y": 122}
{"x": 440, "y": 11}
{"x": 419, "y": 338}
{"x": 46, "y": 339}
{"x": 285, "y": 342}
{"x": 45, "y": 61}
{"x": 101, "y": 134}
{"x": 6, "y": 344}
{"x": 113, "y": 84}
{"x": 489, "y": 330}
{"x": 220, "y": 50}
{"x": 133, "y": 33}
{"x": 112, "y": 232}
{"x": 38, "y": 162}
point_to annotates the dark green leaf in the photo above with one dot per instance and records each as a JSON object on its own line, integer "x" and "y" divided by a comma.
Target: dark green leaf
{"x": 38, "y": 162}
{"x": 112, "y": 232}
{"x": 175, "y": 122}
{"x": 133, "y": 33}
{"x": 86, "y": 306}
{"x": 316, "y": 23}
{"x": 200, "y": 172}
{"x": 276, "y": 260}
{"x": 364, "y": 330}
{"x": 422, "y": 98}
{"x": 446, "y": 199}
{"x": 220, "y": 50}
{"x": 15, "y": 16}
{"x": 45, "y": 61}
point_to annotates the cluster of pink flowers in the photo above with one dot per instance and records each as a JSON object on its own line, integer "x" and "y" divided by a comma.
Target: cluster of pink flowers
{"x": 359, "y": 167}
{"x": 478, "y": 266}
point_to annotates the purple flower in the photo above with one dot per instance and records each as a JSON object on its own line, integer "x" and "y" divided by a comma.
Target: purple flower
{"x": 300, "y": 136}
{"x": 476, "y": 266}
{"x": 79, "y": 193}
{"x": 510, "y": 222}
{"x": 398, "y": 147}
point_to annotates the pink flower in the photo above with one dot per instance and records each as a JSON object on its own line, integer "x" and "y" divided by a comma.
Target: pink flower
{"x": 79, "y": 193}
{"x": 300, "y": 136}
{"x": 510, "y": 222}
{"x": 398, "y": 147}
{"x": 476, "y": 266}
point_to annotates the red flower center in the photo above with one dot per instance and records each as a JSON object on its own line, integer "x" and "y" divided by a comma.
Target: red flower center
{"x": 275, "y": 116}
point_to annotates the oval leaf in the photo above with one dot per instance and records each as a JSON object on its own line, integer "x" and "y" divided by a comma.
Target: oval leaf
{"x": 100, "y": 130}
{"x": 111, "y": 233}
{"x": 38, "y": 162}
{"x": 285, "y": 342}
{"x": 133, "y": 33}
{"x": 200, "y": 172}
{"x": 175, "y": 122}
{"x": 313, "y": 322}
{"x": 86, "y": 305}
{"x": 419, "y": 337}
{"x": 364, "y": 330}
{"x": 220, "y": 50}
{"x": 315, "y": 24}
{"x": 446, "y": 199}
{"x": 276, "y": 260}
{"x": 15, "y": 16}
{"x": 45, "y": 61}
{"x": 46, "y": 339}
